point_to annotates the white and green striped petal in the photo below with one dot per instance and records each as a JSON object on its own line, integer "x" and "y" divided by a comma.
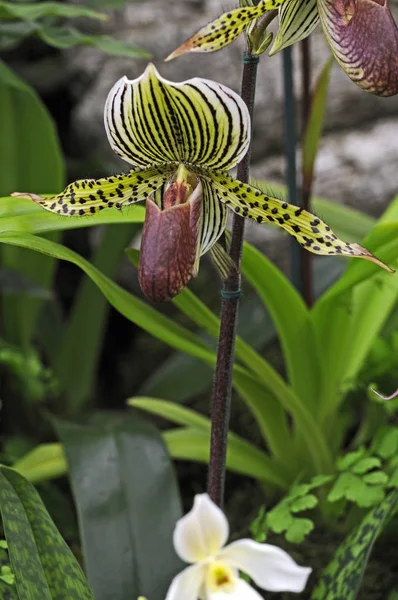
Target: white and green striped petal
{"x": 88, "y": 196}
{"x": 311, "y": 233}
{"x": 152, "y": 121}
{"x": 224, "y": 30}
{"x": 214, "y": 218}
{"x": 297, "y": 19}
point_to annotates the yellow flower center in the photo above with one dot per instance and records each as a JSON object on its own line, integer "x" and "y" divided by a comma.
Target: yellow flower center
{"x": 220, "y": 578}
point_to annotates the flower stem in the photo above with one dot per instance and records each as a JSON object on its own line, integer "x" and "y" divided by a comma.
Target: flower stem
{"x": 222, "y": 385}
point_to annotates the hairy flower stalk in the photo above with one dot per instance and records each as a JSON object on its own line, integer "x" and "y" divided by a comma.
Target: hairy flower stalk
{"x": 181, "y": 139}
{"x": 222, "y": 385}
{"x": 362, "y": 35}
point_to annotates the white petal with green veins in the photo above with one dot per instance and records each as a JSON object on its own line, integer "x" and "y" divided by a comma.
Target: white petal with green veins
{"x": 297, "y": 19}
{"x": 214, "y": 218}
{"x": 151, "y": 121}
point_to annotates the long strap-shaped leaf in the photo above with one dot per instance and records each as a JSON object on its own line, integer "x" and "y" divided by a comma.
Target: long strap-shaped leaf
{"x": 43, "y": 564}
{"x": 174, "y": 335}
{"x": 242, "y": 456}
{"x": 127, "y": 502}
{"x": 343, "y": 576}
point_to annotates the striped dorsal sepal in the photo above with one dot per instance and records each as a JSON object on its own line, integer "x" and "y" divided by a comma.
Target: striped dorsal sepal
{"x": 311, "y": 233}
{"x": 150, "y": 120}
{"x": 88, "y": 196}
{"x": 224, "y": 30}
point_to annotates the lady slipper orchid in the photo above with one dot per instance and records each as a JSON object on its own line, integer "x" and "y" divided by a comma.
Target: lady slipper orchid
{"x": 362, "y": 35}
{"x": 200, "y": 538}
{"x": 181, "y": 138}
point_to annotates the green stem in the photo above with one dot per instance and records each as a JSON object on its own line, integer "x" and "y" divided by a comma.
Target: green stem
{"x": 222, "y": 386}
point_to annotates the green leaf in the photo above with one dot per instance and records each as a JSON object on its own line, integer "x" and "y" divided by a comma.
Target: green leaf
{"x": 43, "y": 564}
{"x": 128, "y": 305}
{"x": 12, "y": 33}
{"x": 31, "y": 159}
{"x": 385, "y": 443}
{"x": 176, "y": 336}
{"x": 30, "y": 152}
{"x": 343, "y": 576}
{"x": 351, "y": 317}
{"x": 366, "y": 464}
{"x": 349, "y": 459}
{"x": 87, "y": 321}
{"x": 313, "y": 130}
{"x": 20, "y": 214}
{"x": 376, "y": 477}
{"x": 393, "y": 482}
{"x": 304, "y": 503}
{"x": 69, "y": 37}
{"x": 12, "y": 282}
{"x": 127, "y": 502}
{"x": 106, "y": 4}
{"x": 299, "y": 530}
{"x": 46, "y": 461}
{"x": 179, "y": 378}
{"x": 242, "y": 457}
{"x": 382, "y": 241}
{"x": 355, "y": 489}
{"x": 292, "y": 323}
{"x": 179, "y": 415}
{"x": 268, "y": 412}
{"x": 38, "y": 10}
{"x": 8, "y": 591}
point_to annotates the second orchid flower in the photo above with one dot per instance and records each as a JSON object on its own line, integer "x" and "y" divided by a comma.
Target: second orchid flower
{"x": 362, "y": 35}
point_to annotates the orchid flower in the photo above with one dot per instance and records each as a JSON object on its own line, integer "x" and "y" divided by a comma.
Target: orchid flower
{"x": 200, "y": 538}
{"x": 362, "y": 35}
{"x": 181, "y": 138}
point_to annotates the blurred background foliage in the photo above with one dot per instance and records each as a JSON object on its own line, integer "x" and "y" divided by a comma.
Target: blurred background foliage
{"x": 311, "y": 442}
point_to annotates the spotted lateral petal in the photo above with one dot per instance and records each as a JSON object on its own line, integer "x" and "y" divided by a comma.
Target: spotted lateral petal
{"x": 297, "y": 19}
{"x": 364, "y": 40}
{"x": 151, "y": 121}
{"x": 89, "y": 196}
{"x": 224, "y": 30}
{"x": 311, "y": 233}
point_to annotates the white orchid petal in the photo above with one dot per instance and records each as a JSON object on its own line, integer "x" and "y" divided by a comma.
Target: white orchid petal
{"x": 271, "y": 568}
{"x": 202, "y": 532}
{"x": 187, "y": 584}
{"x": 242, "y": 591}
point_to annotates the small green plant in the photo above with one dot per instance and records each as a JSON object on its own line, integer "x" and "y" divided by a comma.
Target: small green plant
{"x": 49, "y": 21}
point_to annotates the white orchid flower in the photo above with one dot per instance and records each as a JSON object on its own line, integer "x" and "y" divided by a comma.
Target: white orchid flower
{"x": 200, "y": 538}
